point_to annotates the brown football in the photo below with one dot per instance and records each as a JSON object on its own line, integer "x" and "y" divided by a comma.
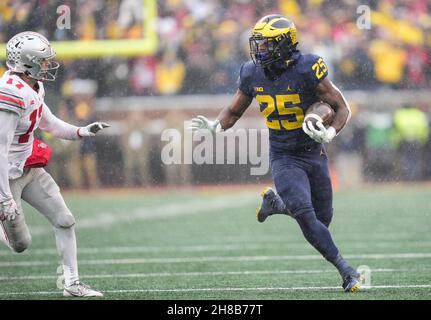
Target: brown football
{"x": 320, "y": 110}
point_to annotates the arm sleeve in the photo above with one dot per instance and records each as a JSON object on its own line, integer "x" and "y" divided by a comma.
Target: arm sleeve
{"x": 9, "y": 121}
{"x": 244, "y": 79}
{"x": 57, "y": 127}
{"x": 11, "y": 101}
{"x": 316, "y": 71}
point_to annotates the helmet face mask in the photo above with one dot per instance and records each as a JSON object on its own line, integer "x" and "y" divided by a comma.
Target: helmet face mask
{"x": 273, "y": 41}
{"x": 30, "y": 53}
{"x": 264, "y": 51}
{"x": 48, "y": 70}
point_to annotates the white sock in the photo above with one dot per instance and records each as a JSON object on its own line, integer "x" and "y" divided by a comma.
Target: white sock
{"x": 66, "y": 246}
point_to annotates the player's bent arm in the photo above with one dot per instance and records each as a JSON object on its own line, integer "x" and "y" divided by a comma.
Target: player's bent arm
{"x": 64, "y": 130}
{"x": 9, "y": 121}
{"x": 329, "y": 93}
{"x": 230, "y": 114}
{"x": 59, "y": 128}
{"x": 227, "y": 117}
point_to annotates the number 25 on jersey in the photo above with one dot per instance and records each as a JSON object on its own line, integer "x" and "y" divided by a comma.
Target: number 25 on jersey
{"x": 286, "y": 104}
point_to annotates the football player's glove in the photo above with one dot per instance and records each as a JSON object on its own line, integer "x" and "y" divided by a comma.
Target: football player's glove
{"x": 202, "y": 123}
{"x": 8, "y": 210}
{"x": 322, "y": 134}
{"x": 92, "y": 129}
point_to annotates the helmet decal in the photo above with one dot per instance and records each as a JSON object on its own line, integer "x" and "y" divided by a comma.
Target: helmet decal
{"x": 273, "y": 40}
{"x": 31, "y": 53}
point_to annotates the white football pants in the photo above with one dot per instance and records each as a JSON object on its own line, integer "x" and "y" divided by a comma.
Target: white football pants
{"x": 38, "y": 189}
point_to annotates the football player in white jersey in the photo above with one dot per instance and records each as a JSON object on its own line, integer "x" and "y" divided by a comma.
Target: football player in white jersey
{"x": 23, "y": 110}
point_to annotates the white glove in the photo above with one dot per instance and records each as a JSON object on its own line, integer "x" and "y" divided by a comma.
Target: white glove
{"x": 321, "y": 135}
{"x": 8, "y": 210}
{"x": 202, "y": 123}
{"x": 92, "y": 129}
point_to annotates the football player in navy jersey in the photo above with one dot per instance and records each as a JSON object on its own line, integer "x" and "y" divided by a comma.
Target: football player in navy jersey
{"x": 285, "y": 82}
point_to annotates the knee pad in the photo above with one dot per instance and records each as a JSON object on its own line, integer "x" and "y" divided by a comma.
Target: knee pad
{"x": 309, "y": 227}
{"x": 325, "y": 217}
{"x": 306, "y": 220}
{"x": 299, "y": 209}
{"x": 65, "y": 220}
{"x": 18, "y": 235}
{"x": 21, "y": 244}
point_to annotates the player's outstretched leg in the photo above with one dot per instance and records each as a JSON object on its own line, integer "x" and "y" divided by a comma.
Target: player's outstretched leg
{"x": 43, "y": 194}
{"x": 271, "y": 204}
{"x": 293, "y": 185}
{"x": 66, "y": 246}
{"x": 15, "y": 234}
{"x": 318, "y": 235}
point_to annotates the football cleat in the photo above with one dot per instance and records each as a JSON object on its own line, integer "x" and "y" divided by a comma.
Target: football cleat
{"x": 79, "y": 289}
{"x": 271, "y": 204}
{"x": 352, "y": 283}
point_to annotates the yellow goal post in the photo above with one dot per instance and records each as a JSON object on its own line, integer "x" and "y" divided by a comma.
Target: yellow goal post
{"x": 147, "y": 45}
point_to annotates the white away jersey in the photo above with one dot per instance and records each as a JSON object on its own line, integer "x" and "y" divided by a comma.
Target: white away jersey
{"x": 18, "y": 97}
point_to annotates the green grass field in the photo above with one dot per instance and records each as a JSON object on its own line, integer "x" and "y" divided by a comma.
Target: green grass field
{"x": 206, "y": 244}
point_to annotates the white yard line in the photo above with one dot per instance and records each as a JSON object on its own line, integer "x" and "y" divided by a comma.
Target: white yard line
{"x": 186, "y": 248}
{"x": 31, "y": 263}
{"x": 264, "y": 289}
{"x": 408, "y": 286}
{"x": 201, "y": 274}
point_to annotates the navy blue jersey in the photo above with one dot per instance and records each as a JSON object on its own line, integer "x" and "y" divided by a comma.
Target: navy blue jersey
{"x": 284, "y": 101}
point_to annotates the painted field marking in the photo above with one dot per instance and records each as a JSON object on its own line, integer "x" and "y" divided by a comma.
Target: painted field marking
{"x": 384, "y": 256}
{"x": 408, "y": 286}
{"x": 200, "y": 274}
{"x": 281, "y": 244}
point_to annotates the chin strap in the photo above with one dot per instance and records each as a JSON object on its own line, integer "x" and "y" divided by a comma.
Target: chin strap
{"x": 275, "y": 70}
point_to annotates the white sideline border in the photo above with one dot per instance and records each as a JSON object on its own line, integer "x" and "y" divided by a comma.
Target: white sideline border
{"x": 201, "y": 274}
{"x": 184, "y": 248}
{"x": 408, "y": 286}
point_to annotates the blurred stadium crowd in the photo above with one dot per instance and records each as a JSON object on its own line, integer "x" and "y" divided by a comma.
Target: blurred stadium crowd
{"x": 203, "y": 43}
{"x": 201, "y": 47}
